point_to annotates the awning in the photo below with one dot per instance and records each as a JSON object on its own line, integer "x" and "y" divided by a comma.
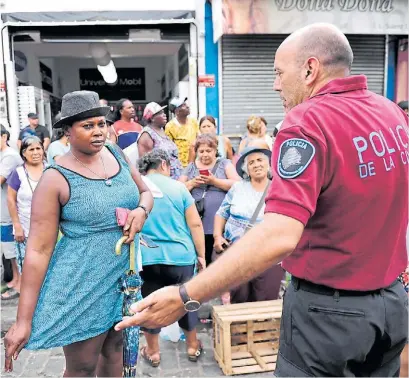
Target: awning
{"x": 51, "y": 17}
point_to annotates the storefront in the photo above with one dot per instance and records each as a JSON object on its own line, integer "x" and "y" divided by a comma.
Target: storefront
{"x": 249, "y": 33}
{"x": 152, "y": 51}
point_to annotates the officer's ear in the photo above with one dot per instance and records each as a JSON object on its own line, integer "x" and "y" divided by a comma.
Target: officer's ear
{"x": 311, "y": 70}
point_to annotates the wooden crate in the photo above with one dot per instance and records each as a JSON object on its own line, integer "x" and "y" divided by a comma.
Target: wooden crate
{"x": 246, "y": 336}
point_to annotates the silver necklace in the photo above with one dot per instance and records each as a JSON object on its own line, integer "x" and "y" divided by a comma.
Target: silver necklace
{"x": 107, "y": 180}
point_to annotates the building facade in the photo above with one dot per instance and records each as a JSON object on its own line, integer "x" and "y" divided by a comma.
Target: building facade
{"x": 51, "y": 48}
{"x": 248, "y": 33}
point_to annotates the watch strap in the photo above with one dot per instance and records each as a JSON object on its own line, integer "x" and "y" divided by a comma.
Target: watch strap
{"x": 183, "y": 294}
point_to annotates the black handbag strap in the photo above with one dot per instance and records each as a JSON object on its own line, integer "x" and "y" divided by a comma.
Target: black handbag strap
{"x": 258, "y": 208}
{"x": 213, "y": 171}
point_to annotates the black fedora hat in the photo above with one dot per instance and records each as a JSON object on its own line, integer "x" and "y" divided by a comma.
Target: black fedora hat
{"x": 246, "y": 152}
{"x": 80, "y": 105}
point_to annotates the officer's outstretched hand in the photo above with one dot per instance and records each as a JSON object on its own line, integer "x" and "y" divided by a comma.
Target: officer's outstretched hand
{"x": 160, "y": 309}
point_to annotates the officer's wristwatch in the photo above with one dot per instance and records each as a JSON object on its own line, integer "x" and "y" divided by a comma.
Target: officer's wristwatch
{"x": 189, "y": 304}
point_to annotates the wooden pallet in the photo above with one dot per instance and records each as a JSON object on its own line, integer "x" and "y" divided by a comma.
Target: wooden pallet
{"x": 246, "y": 336}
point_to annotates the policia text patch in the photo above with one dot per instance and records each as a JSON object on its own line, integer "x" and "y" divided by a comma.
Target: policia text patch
{"x": 294, "y": 157}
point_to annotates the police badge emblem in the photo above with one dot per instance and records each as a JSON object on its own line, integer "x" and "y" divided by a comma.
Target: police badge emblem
{"x": 294, "y": 157}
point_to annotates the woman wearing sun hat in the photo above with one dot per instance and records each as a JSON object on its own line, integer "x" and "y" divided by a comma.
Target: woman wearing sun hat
{"x": 69, "y": 291}
{"x": 242, "y": 208}
{"x": 153, "y": 137}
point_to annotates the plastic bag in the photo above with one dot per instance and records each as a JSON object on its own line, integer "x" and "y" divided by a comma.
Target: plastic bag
{"x": 172, "y": 333}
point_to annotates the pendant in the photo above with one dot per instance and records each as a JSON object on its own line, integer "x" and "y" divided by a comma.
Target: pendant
{"x": 108, "y": 182}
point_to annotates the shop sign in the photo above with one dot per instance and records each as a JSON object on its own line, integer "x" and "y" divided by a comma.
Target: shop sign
{"x": 46, "y": 78}
{"x": 286, "y": 16}
{"x": 130, "y": 84}
{"x": 207, "y": 81}
{"x": 383, "y": 6}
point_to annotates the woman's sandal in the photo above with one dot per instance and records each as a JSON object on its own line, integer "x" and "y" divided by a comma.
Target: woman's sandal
{"x": 195, "y": 356}
{"x": 10, "y": 294}
{"x": 147, "y": 358}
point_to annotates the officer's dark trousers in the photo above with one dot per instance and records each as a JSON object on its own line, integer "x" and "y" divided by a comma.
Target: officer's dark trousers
{"x": 334, "y": 333}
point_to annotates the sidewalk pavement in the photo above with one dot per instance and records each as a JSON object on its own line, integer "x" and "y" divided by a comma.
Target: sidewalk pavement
{"x": 174, "y": 362}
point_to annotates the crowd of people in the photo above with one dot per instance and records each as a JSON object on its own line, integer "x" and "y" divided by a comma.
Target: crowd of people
{"x": 191, "y": 202}
{"x": 193, "y": 188}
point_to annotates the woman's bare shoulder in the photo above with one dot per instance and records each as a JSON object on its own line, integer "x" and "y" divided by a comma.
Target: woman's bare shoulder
{"x": 53, "y": 183}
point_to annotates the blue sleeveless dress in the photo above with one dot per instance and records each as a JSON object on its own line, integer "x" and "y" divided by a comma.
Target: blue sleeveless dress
{"x": 80, "y": 298}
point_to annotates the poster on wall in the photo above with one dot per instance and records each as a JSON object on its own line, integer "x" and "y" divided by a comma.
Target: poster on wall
{"x": 46, "y": 78}
{"x": 130, "y": 84}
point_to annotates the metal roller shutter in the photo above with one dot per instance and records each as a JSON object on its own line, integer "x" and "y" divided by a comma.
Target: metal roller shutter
{"x": 369, "y": 59}
{"x": 247, "y": 80}
{"x": 248, "y": 76}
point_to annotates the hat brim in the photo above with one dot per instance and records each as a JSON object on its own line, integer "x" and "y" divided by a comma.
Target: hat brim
{"x": 162, "y": 107}
{"x": 101, "y": 111}
{"x": 248, "y": 151}
{"x": 184, "y": 101}
{"x": 154, "y": 114}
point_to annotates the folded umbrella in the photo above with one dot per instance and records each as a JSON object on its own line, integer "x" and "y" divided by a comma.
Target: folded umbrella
{"x": 130, "y": 284}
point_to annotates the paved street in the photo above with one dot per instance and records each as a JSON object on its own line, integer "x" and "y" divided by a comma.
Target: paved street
{"x": 174, "y": 362}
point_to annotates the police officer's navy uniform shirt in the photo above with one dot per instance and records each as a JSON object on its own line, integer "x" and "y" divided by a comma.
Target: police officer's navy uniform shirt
{"x": 340, "y": 166}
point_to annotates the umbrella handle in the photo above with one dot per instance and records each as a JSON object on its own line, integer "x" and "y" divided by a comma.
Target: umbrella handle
{"x": 131, "y": 252}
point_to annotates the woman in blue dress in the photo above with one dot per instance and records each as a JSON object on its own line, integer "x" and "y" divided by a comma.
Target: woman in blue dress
{"x": 69, "y": 290}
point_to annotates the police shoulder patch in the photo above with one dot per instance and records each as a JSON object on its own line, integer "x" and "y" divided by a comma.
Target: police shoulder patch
{"x": 294, "y": 157}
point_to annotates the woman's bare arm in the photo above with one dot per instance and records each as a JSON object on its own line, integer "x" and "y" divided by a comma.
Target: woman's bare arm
{"x": 229, "y": 148}
{"x": 12, "y": 205}
{"x": 218, "y": 231}
{"x": 51, "y": 192}
{"x": 241, "y": 146}
{"x": 146, "y": 198}
{"x": 13, "y": 211}
{"x": 137, "y": 217}
{"x": 192, "y": 153}
{"x": 145, "y": 144}
{"x": 196, "y": 229}
{"x": 227, "y": 183}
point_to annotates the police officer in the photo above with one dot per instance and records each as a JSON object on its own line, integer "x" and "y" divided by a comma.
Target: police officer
{"x": 336, "y": 214}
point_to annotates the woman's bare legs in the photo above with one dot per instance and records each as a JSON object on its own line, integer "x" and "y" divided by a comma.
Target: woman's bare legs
{"x": 110, "y": 361}
{"x": 152, "y": 346}
{"x": 101, "y": 355}
{"x": 82, "y": 357}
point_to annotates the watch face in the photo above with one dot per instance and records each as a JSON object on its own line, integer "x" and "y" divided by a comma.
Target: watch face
{"x": 192, "y": 306}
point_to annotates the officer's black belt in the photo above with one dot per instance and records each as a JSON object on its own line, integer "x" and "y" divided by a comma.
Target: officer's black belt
{"x": 301, "y": 284}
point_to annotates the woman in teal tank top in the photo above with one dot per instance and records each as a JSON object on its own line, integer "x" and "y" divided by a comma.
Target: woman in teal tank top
{"x": 69, "y": 294}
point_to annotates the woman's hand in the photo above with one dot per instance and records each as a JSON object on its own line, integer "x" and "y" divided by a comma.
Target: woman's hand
{"x": 134, "y": 223}
{"x": 208, "y": 180}
{"x": 19, "y": 233}
{"x": 14, "y": 341}
{"x": 196, "y": 182}
{"x": 201, "y": 263}
{"x": 220, "y": 244}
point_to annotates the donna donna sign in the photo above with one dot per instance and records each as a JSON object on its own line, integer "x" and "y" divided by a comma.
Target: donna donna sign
{"x": 130, "y": 84}
{"x": 382, "y": 6}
